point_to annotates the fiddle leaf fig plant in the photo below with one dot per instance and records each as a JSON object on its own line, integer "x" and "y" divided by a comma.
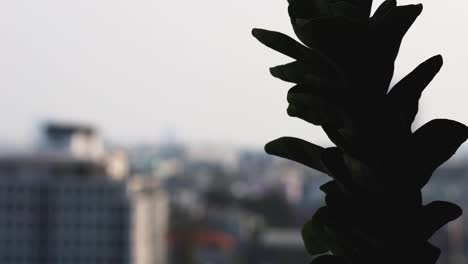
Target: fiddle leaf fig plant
{"x": 341, "y": 73}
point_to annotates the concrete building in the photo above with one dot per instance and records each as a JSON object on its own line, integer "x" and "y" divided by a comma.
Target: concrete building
{"x": 76, "y": 140}
{"x": 64, "y": 205}
{"x": 66, "y": 221}
{"x": 149, "y": 221}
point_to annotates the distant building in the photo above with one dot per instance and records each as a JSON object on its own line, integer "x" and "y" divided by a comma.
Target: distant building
{"x": 63, "y": 220}
{"x": 150, "y": 221}
{"x": 74, "y": 140}
{"x": 72, "y": 202}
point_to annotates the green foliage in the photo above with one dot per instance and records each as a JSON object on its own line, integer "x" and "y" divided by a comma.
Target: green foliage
{"x": 342, "y": 73}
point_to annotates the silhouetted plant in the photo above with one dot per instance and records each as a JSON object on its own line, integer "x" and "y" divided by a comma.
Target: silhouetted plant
{"x": 374, "y": 211}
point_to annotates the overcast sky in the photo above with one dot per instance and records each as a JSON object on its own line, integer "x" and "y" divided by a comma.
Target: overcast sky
{"x": 138, "y": 68}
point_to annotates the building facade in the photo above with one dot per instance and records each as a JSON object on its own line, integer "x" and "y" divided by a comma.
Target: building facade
{"x": 61, "y": 205}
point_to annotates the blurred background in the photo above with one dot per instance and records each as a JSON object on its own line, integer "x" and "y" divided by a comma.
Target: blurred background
{"x": 133, "y": 132}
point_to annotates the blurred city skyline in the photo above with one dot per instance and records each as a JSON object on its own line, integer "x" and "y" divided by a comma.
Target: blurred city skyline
{"x": 138, "y": 69}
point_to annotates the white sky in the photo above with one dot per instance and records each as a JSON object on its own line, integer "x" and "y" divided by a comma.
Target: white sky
{"x": 136, "y": 68}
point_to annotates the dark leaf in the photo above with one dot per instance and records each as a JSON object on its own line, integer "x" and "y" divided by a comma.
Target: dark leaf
{"x": 301, "y": 72}
{"x": 436, "y": 214}
{"x": 337, "y": 138}
{"x": 363, "y": 175}
{"x": 302, "y": 93}
{"x": 403, "y": 99}
{"x": 348, "y": 140}
{"x": 286, "y": 45}
{"x": 314, "y": 235}
{"x": 335, "y": 37}
{"x": 306, "y": 94}
{"x": 399, "y": 19}
{"x": 297, "y": 150}
{"x": 434, "y": 143}
{"x": 332, "y": 159}
{"x": 393, "y": 27}
{"x": 425, "y": 253}
{"x": 314, "y": 109}
{"x": 383, "y": 9}
{"x": 337, "y": 202}
{"x": 306, "y": 9}
{"x": 385, "y": 39}
{"x": 364, "y": 5}
{"x": 329, "y": 187}
{"x": 347, "y": 10}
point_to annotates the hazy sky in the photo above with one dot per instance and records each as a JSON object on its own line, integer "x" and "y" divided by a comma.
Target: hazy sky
{"x": 137, "y": 68}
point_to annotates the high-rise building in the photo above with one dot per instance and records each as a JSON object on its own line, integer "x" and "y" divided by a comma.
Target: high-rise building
{"x": 74, "y": 203}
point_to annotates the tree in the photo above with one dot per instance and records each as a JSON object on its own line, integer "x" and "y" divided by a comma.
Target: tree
{"x": 374, "y": 211}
